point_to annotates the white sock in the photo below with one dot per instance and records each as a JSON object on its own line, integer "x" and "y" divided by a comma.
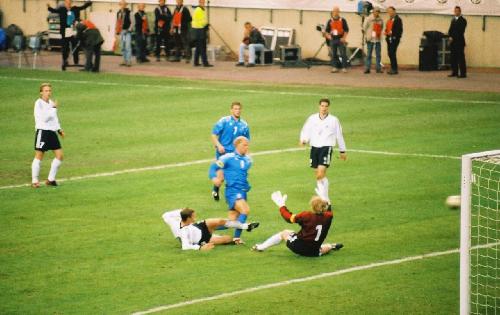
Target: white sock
{"x": 326, "y": 185}
{"x": 236, "y": 225}
{"x": 53, "y": 169}
{"x": 273, "y": 240}
{"x": 35, "y": 170}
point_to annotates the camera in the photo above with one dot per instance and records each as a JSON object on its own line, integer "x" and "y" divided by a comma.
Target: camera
{"x": 320, "y": 28}
{"x": 364, "y": 8}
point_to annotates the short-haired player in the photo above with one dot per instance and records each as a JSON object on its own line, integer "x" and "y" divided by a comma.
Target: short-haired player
{"x": 233, "y": 167}
{"x": 199, "y": 235}
{"x": 224, "y": 132}
{"x": 47, "y": 128}
{"x": 323, "y": 131}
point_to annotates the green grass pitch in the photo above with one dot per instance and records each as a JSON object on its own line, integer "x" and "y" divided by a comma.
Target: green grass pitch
{"x": 99, "y": 245}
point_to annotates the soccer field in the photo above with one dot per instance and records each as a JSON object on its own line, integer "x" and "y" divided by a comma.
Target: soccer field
{"x": 138, "y": 146}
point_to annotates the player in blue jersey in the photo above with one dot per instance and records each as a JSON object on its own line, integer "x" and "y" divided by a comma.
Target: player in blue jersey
{"x": 225, "y": 131}
{"x": 234, "y": 168}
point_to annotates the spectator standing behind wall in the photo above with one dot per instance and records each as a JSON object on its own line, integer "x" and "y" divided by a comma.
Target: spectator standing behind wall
{"x": 393, "y": 33}
{"x": 141, "y": 33}
{"x": 68, "y": 17}
{"x": 180, "y": 30}
{"x": 163, "y": 18}
{"x": 123, "y": 28}
{"x": 336, "y": 31}
{"x": 457, "y": 44}
{"x": 373, "y": 33}
{"x": 200, "y": 29}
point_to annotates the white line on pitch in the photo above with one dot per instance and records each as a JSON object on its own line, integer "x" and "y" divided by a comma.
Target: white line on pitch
{"x": 253, "y": 91}
{"x": 310, "y": 278}
{"x": 181, "y": 164}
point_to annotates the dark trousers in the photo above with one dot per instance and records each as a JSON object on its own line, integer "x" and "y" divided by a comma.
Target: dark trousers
{"x": 338, "y": 47}
{"x": 162, "y": 39}
{"x": 93, "y": 58}
{"x": 182, "y": 43}
{"x": 392, "y": 47}
{"x": 201, "y": 46}
{"x": 457, "y": 60}
{"x": 140, "y": 46}
{"x": 68, "y": 44}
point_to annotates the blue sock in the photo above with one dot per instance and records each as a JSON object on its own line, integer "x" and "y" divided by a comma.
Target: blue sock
{"x": 242, "y": 218}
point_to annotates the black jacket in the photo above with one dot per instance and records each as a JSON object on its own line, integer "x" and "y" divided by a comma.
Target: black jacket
{"x": 138, "y": 21}
{"x": 89, "y": 38}
{"x": 186, "y": 18}
{"x": 126, "y": 19}
{"x": 397, "y": 28}
{"x": 457, "y": 30}
{"x": 63, "y": 14}
{"x": 162, "y": 14}
{"x": 256, "y": 37}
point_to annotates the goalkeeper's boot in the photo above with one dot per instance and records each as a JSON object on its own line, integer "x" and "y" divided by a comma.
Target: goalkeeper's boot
{"x": 336, "y": 246}
{"x": 51, "y": 183}
{"x": 252, "y": 226}
{"x": 215, "y": 195}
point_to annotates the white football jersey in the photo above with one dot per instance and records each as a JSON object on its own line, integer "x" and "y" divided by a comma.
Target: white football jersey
{"x": 46, "y": 115}
{"x": 325, "y": 132}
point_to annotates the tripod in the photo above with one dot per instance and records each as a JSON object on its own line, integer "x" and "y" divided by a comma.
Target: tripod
{"x": 362, "y": 48}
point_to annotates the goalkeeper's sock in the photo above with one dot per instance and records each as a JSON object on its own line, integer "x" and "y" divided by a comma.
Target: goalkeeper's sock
{"x": 35, "y": 170}
{"x": 242, "y": 219}
{"x": 272, "y": 241}
{"x": 216, "y": 189}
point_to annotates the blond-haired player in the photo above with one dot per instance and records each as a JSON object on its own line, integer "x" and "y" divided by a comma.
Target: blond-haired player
{"x": 47, "y": 127}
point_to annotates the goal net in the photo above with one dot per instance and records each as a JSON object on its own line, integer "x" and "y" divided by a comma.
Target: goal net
{"x": 480, "y": 234}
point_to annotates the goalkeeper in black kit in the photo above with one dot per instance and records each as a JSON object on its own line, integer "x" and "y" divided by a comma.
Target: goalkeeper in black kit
{"x": 315, "y": 225}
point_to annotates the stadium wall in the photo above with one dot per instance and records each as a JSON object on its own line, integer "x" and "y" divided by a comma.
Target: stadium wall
{"x": 481, "y": 48}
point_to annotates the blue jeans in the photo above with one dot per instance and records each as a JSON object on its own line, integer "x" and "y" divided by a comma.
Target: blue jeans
{"x": 126, "y": 42}
{"x": 252, "y": 48}
{"x": 368, "y": 62}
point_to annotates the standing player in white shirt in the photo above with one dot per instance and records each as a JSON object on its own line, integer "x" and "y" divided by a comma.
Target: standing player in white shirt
{"x": 322, "y": 131}
{"x": 47, "y": 127}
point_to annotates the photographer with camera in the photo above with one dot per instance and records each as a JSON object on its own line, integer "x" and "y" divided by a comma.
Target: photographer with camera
{"x": 336, "y": 31}
{"x": 372, "y": 29}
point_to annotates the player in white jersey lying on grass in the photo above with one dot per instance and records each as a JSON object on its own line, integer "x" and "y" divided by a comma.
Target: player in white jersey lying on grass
{"x": 199, "y": 235}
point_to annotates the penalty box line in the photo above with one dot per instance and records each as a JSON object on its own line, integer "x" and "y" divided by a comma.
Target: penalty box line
{"x": 310, "y": 278}
{"x": 189, "y": 163}
{"x": 254, "y": 91}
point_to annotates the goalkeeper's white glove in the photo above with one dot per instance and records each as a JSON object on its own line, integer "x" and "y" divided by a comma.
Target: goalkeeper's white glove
{"x": 278, "y": 198}
{"x": 321, "y": 192}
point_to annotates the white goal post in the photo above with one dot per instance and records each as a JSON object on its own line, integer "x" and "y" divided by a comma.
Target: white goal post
{"x": 480, "y": 234}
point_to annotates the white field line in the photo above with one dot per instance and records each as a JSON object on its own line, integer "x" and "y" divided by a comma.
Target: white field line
{"x": 253, "y": 91}
{"x": 310, "y": 278}
{"x": 189, "y": 163}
